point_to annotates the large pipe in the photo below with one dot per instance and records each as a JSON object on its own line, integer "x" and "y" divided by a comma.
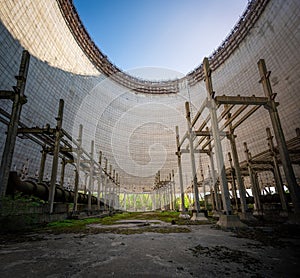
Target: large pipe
{"x": 41, "y": 190}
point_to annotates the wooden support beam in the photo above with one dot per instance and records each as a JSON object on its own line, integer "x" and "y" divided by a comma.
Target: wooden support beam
{"x": 195, "y": 151}
{"x": 245, "y": 117}
{"x": 279, "y": 136}
{"x": 194, "y": 173}
{"x": 180, "y": 171}
{"x": 10, "y": 141}
{"x": 208, "y": 133}
{"x": 36, "y": 130}
{"x": 241, "y": 100}
{"x": 58, "y": 134}
{"x": 216, "y": 137}
{"x": 7, "y": 95}
{"x": 203, "y": 106}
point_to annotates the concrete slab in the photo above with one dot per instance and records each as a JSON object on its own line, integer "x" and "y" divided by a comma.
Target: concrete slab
{"x": 184, "y": 215}
{"x": 230, "y": 221}
{"x": 203, "y": 252}
{"x": 199, "y": 217}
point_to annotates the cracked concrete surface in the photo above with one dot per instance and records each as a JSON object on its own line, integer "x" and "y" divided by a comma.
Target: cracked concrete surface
{"x": 204, "y": 252}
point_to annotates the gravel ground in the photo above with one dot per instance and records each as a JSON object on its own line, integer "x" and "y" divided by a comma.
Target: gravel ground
{"x": 205, "y": 251}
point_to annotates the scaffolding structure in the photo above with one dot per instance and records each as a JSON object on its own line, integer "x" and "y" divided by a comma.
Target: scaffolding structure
{"x": 214, "y": 133}
{"x": 56, "y": 142}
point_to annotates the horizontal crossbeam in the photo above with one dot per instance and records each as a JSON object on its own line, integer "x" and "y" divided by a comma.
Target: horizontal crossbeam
{"x": 7, "y": 95}
{"x": 253, "y": 100}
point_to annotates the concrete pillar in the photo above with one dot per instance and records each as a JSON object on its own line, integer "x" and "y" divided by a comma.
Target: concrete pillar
{"x": 277, "y": 175}
{"x": 174, "y": 190}
{"x": 212, "y": 194}
{"x": 86, "y": 176}
{"x": 254, "y": 184}
{"x": 134, "y": 202}
{"x": 233, "y": 185}
{"x": 125, "y": 200}
{"x": 99, "y": 180}
{"x": 91, "y": 177}
{"x": 279, "y": 136}
{"x": 62, "y": 172}
{"x": 178, "y": 153}
{"x": 42, "y": 164}
{"x": 59, "y": 120}
{"x": 77, "y": 172}
{"x": 110, "y": 188}
{"x": 213, "y": 175}
{"x": 19, "y": 100}
{"x": 170, "y": 192}
{"x": 191, "y": 144}
{"x": 117, "y": 190}
{"x": 238, "y": 175}
{"x": 105, "y": 183}
{"x": 216, "y": 137}
{"x": 75, "y": 208}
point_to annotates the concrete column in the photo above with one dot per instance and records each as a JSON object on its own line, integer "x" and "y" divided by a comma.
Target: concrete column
{"x": 110, "y": 188}
{"x": 170, "y": 192}
{"x": 212, "y": 194}
{"x": 91, "y": 177}
{"x": 105, "y": 183}
{"x": 216, "y": 137}
{"x": 58, "y": 135}
{"x": 191, "y": 144}
{"x": 255, "y": 189}
{"x": 75, "y": 208}
{"x": 174, "y": 190}
{"x": 233, "y": 186}
{"x": 62, "y": 172}
{"x": 99, "y": 180}
{"x": 238, "y": 175}
{"x": 213, "y": 175}
{"x": 42, "y": 164}
{"x": 19, "y": 100}
{"x": 279, "y": 136}
{"x": 134, "y": 202}
{"x": 124, "y": 205}
{"x": 178, "y": 153}
{"x": 154, "y": 200}
{"x": 117, "y": 190}
{"x": 277, "y": 175}
{"x": 204, "y": 187}
{"x": 86, "y": 176}
{"x": 77, "y": 172}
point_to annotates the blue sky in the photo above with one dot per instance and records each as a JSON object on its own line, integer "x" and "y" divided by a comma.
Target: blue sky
{"x": 168, "y": 34}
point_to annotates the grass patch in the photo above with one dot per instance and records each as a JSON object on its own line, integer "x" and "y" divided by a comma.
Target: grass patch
{"x": 80, "y": 226}
{"x": 71, "y": 225}
{"x": 163, "y": 216}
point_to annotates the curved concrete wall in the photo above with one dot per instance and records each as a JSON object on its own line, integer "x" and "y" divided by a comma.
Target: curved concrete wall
{"x": 136, "y": 131}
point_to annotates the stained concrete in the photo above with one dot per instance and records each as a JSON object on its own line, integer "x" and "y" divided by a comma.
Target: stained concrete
{"x": 204, "y": 252}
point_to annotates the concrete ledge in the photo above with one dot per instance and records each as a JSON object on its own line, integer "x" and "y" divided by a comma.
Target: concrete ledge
{"x": 199, "y": 216}
{"x": 184, "y": 215}
{"x": 230, "y": 221}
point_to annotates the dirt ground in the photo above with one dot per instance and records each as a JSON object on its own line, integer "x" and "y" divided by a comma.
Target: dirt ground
{"x": 205, "y": 251}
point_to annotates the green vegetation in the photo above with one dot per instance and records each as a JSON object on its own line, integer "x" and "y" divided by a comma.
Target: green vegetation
{"x": 71, "y": 225}
{"x": 107, "y": 223}
{"x": 82, "y": 225}
{"x": 167, "y": 216}
{"x": 18, "y": 203}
